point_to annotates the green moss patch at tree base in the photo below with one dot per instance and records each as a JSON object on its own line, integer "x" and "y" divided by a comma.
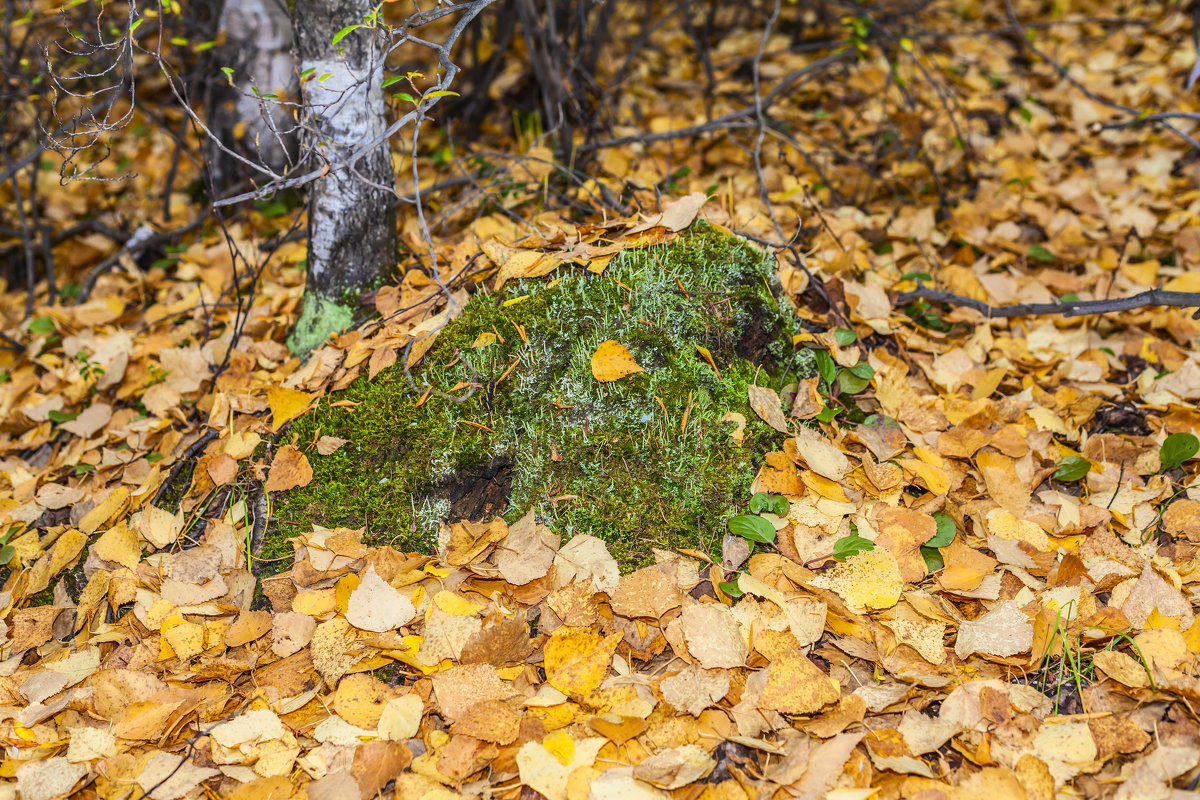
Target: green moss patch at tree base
{"x": 319, "y": 317}
{"x": 521, "y": 422}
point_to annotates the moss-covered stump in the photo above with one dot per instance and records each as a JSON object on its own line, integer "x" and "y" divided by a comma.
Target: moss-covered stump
{"x": 515, "y": 418}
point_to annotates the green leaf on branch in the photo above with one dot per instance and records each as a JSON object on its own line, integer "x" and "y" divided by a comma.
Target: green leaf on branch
{"x": 343, "y": 33}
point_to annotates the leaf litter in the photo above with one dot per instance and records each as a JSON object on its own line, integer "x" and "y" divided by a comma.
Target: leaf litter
{"x": 1054, "y": 651}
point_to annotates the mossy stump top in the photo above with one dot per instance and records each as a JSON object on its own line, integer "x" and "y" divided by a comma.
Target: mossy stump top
{"x": 515, "y": 419}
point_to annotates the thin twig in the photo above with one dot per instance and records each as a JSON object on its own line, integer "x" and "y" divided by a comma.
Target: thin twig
{"x": 1070, "y": 308}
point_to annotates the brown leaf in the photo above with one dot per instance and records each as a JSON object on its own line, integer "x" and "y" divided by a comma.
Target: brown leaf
{"x": 289, "y": 470}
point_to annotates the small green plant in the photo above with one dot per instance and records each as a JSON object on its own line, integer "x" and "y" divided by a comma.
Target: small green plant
{"x": 851, "y": 545}
{"x": 931, "y": 550}
{"x": 1072, "y": 469}
{"x": 7, "y": 551}
{"x": 1178, "y": 448}
{"x": 777, "y": 504}
{"x": 837, "y": 381}
{"x": 755, "y": 529}
{"x": 89, "y": 369}
{"x": 1075, "y": 665}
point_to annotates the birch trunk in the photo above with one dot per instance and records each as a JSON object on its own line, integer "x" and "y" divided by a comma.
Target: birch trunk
{"x": 258, "y": 47}
{"x": 351, "y": 212}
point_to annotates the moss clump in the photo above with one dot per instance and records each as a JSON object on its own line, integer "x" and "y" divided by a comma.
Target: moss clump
{"x": 522, "y": 423}
{"x": 319, "y": 317}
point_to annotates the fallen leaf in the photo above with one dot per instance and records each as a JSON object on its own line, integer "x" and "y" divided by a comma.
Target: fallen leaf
{"x": 289, "y": 469}
{"x": 768, "y": 406}
{"x": 612, "y": 361}
{"x": 376, "y": 606}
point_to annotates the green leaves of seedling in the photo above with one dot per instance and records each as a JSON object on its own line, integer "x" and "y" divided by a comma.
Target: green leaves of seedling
{"x": 851, "y": 545}
{"x": 7, "y": 551}
{"x": 42, "y": 325}
{"x": 855, "y": 379}
{"x": 844, "y": 337}
{"x": 1036, "y": 251}
{"x": 1178, "y": 448}
{"x": 1071, "y": 469}
{"x": 826, "y": 368}
{"x": 752, "y": 528}
{"x": 776, "y": 504}
{"x": 930, "y": 551}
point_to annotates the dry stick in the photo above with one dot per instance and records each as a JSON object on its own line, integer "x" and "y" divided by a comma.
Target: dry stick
{"x": 1072, "y": 308}
{"x": 135, "y": 247}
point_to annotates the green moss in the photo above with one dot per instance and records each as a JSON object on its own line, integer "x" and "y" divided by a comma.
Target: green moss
{"x": 319, "y": 317}
{"x": 595, "y": 458}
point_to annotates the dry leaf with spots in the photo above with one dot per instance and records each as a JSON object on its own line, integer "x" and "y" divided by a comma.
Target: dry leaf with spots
{"x": 820, "y": 456}
{"x": 865, "y": 580}
{"x": 1004, "y": 631}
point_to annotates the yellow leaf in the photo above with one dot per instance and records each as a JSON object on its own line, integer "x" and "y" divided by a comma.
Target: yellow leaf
{"x": 286, "y": 405}
{"x": 707, "y": 356}
{"x": 289, "y": 470}
{"x": 241, "y": 445}
{"x": 577, "y": 660}
{"x": 456, "y": 604}
{"x": 612, "y": 361}
{"x": 1160, "y": 620}
{"x": 344, "y": 587}
{"x": 484, "y": 339}
{"x": 113, "y": 505}
{"x": 119, "y": 545}
{"x": 865, "y": 580}
{"x": 559, "y": 745}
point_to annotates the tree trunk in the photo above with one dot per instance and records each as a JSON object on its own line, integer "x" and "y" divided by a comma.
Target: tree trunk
{"x": 351, "y": 212}
{"x": 258, "y": 48}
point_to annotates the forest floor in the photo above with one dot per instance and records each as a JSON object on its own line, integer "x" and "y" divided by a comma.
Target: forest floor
{"x": 965, "y": 563}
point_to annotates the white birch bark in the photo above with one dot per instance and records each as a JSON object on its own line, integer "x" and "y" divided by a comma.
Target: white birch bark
{"x": 351, "y": 210}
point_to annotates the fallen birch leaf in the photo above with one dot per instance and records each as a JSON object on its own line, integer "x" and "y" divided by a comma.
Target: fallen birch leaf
{"x": 376, "y": 606}
{"x": 612, "y": 361}
{"x": 289, "y": 470}
{"x": 768, "y": 406}
{"x": 1004, "y": 631}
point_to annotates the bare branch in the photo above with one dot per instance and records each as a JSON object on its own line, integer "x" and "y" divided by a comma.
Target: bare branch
{"x": 1070, "y": 308}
